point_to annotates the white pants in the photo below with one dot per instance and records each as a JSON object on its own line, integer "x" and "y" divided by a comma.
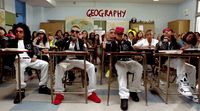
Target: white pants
{"x": 182, "y": 68}
{"x": 69, "y": 64}
{"x": 38, "y": 64}
{"x": 122, "y": 68}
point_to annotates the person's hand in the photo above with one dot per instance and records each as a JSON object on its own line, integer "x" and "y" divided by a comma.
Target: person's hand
{"x": 44, "y": 51}
{"x": 33, "y": 59}
{"x": 185, "y": 47}
{"x": 104, "y": 45}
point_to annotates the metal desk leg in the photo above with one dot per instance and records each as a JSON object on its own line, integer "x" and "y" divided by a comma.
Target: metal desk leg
{"x": 145, "y": 77}
{"x": 19, "y": 78}
{"x": 51, "y": 77}
{"x": 109, "y": 77}
{"x": 167, "y": 85}
{"x": 85, "y": 81}
{"x": 102, "y": 67}
{"x": 199, "y": 80}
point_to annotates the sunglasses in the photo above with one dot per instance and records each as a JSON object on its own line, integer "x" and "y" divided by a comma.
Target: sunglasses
{"x": 72, "y": 31}
{"x": 19, "y": 31}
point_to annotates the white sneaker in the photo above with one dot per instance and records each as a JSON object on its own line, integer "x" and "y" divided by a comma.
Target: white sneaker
{"x": 184, "y": 87}
{"x": 194, "y": 98}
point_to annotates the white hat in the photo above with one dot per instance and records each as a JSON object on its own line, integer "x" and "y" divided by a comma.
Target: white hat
{"x": 42, "y": 30}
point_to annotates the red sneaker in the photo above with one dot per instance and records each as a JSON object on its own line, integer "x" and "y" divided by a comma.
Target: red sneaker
{"x": 93, "y": 97}
{"x": 58, "y": 99}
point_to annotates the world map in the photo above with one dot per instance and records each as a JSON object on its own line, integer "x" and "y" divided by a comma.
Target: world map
{"x": 83, "y": 23}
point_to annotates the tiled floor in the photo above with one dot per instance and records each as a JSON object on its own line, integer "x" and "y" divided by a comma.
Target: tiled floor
{"x": 39, "y": 102}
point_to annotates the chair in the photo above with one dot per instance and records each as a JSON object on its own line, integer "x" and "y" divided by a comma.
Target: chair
{"x": 66, "y": 81}
{"x": 76, "y": 70}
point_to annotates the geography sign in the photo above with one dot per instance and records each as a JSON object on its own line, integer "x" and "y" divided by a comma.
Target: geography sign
{"x": 116, "y": 13}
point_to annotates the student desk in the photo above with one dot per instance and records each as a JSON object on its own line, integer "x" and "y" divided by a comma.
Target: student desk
{"x": 13, "y": 51}
{"x": 126, "y": 53}
{"x": 53, "y": 54}
{"x": 174, "y": 54}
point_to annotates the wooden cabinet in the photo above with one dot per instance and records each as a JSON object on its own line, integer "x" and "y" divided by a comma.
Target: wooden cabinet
{"x": 142, "y": 26}
{"x": 179, "y": 26}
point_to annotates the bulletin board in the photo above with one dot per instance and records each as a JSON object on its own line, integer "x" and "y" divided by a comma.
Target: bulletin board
{"x": 84, "y": 23}
{"x": 10, "y": 18}
{"x": 52, "y": 27}
{"x": 2, "y": 17}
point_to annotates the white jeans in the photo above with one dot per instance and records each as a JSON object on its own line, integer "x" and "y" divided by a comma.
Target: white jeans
{"x": 122, "y": 68}
{"x": 182, "y": 68}
{"x": 38, "y": 64}
{"x": 69, "y": 64}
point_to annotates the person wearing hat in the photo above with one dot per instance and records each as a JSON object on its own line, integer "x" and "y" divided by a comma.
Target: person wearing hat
{"x": 42, "y": 46}
{"x": 124, "y": 65}
{"x": 185, "y": 72}
{"x": 28, "y": 59}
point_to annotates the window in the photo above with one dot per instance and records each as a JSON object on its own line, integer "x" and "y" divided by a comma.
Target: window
{"x": 198, "y": 24}
{"x": 198, "y": 6}
{"x": 198, "y": 16}
{"x": 1, "y": 4}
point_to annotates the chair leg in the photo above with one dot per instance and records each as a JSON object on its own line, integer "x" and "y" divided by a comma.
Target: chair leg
{"x": 127, "y": 80}
{"x": 82, "y": 78}
{"x": 38, "y": 76}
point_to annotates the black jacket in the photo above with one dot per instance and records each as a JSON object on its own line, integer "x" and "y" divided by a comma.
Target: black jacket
{"x": 64, "y": 45}
{"x": 161, "y": 45}
{"x": 116, "y": 46}
{"x": 27, "y": 44}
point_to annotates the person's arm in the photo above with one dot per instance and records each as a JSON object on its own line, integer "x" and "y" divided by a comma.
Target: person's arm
{"x": 139, "y": 44}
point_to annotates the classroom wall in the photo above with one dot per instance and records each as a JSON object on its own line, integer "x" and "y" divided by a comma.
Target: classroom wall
{"x": 145, "y": 12}
{"x": 10, "y": 5}
{"x": 29, "y": 16}
{"x": 187, "y": 10}
{"x": 160, "y": 13}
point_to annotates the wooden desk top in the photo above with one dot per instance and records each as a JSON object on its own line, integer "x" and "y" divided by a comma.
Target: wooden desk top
{"x": 80, "y": 53}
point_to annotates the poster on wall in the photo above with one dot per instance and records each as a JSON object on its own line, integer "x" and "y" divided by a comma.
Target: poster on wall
{"x": 2, "y": 17}
{"x": 112, "y": 24}
{"x": 84, "y": 23}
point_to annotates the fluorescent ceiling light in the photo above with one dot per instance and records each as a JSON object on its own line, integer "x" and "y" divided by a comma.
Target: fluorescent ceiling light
{"x": 155, "y": 0}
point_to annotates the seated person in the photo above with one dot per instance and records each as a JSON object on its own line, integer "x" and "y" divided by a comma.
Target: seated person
{"x": 148, "y": 43}
{"x": 7, "y": 60}
{"x": 185, "y": 71}
{"x": 124, "y": 65}
{"x": 28, "y": 59}
{"x": 74, "y": 44}
{"x": 42, "y": 45}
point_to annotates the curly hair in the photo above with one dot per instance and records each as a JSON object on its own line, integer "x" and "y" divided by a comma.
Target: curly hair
{"x": 194, "y": 38}
{"x": 27, "y": 32}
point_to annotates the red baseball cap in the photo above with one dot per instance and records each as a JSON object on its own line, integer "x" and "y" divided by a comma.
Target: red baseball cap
{"x": 167, "y": 29}
{"x": 119, "y": 30}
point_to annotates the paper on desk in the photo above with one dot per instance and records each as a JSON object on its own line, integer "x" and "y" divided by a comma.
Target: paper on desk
{"x": 171, "y": 51}
{"x": 14, "y": 49}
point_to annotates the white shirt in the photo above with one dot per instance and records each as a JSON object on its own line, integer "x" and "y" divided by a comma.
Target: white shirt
{"x": 71, "y": 48}
{"x": 21, "y": 46}
{"x": 144, "y": 42}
